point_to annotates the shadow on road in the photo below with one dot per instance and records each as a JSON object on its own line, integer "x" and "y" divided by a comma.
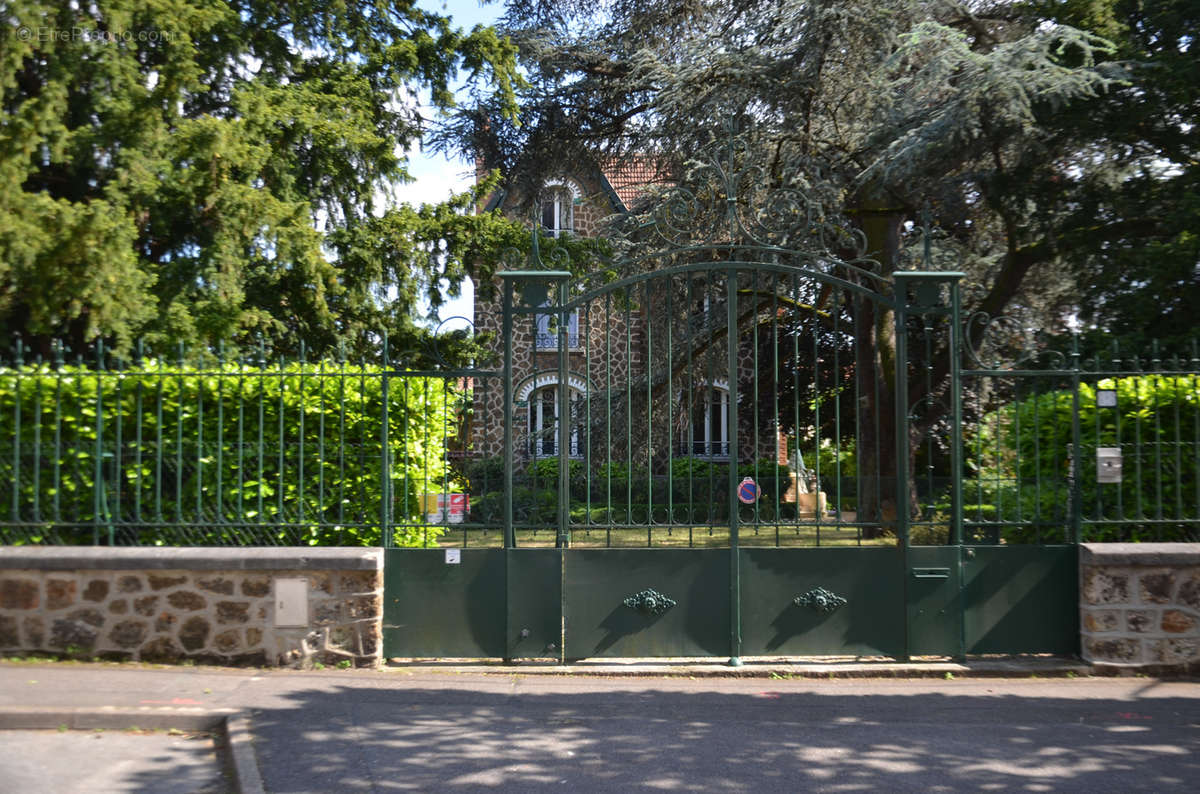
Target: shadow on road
{"x": 765, "y": 738}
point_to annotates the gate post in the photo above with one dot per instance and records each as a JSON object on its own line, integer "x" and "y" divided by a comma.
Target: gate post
{"x": 385, "y": 461}
{"x": 562, "y": 539}
{"x": 507, "y": 413}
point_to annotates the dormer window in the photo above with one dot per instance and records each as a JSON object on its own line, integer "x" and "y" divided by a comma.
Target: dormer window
{"x": 558, "y": 210}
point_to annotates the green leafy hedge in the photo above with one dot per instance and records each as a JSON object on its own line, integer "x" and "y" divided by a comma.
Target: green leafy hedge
{"x": 1020, "y": 462}
{"x": 234, "y": 455}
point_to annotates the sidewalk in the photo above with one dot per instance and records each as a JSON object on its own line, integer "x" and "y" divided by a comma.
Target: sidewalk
{"x": 614, "y": 727}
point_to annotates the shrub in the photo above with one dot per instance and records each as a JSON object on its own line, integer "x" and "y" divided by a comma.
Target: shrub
{"x": 225, "y": 455}
{"x": 1021, "y": 466}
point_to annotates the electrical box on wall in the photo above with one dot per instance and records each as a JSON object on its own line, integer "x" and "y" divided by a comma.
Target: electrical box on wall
{"x": 291, "y": 603}
{"x": 1108, "y": 464}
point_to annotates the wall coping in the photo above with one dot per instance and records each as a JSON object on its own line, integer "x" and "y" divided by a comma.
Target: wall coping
{"x": 103, "y": 558}
{"x": 1139, "y": 553}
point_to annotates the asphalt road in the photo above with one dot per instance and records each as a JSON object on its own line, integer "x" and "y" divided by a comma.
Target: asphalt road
{"x": 352, "y": 731}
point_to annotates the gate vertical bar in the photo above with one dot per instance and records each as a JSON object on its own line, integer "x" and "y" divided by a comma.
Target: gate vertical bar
{"x": 1076, "y": 504}
{"x": 900, "y": 398}
{"x": 509, "y": 539}
{"x": 564, "y": 426}
{"x": 735, "y": 582}
{"x": 385, "y": 467}
{"x": 507, "y": 322}
{"x": 956, "y": 456}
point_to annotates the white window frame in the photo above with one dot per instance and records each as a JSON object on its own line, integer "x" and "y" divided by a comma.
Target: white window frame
{"x": 709, "y": 440}
{"x": 533, "y": 394}
{"x": 546, "y": 333}
{"x": 558, "y": 198}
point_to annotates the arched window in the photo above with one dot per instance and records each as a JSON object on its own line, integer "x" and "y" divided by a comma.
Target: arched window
{"x": 708, "y": 432}
{"x": 543, "y": 421}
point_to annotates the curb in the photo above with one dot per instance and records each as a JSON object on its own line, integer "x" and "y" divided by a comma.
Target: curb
{"x": 232, "y": 726}
{"x": 1050, "y": 668}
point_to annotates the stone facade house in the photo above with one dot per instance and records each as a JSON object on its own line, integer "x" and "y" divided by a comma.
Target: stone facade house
{"x": 607, "y": 345}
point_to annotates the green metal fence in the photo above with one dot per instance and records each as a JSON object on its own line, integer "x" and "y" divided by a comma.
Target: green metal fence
{"x": 679, "y": 384}
{"x": 202, "y": 450}
{"x": 1084, "y": 449}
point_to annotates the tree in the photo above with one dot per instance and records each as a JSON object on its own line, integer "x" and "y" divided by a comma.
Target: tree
{"x": 976, "y": 110}
{"x": 1140, "y": 287}
{"x": 214, "y": 172}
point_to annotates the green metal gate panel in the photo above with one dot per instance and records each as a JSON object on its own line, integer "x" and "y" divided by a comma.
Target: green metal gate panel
{"x": 678, "y": 602}
{"x": 822, "y": 601}
{"x": 934, "y": 601}
{"x": 452, "y": 602}
{"x": 535, "y": 603}
{"x": 437, "y": 606}
{"x": 1021, "y": 599}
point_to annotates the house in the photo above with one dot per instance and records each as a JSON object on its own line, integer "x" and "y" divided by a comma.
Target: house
{"x": 621, "y": 414}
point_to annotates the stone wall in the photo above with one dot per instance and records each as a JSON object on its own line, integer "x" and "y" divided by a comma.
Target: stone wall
{"x": 1140, "y": 605}
{"x": 223, "y": 606}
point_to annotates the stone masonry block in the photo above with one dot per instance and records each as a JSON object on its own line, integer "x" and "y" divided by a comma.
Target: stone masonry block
{"x": 233, "y": 612}
{"x": 325, "y": 613}
{"x": 146, "y": 606}
{"x": 128, "y": 633}
{"x": 256, "y": 586}
{"x": 66, "y": 634}
{"x": 320, "y": 581}
{"x": 1101, "y": 620}
{"x": 359, "y": 581}
{"x": 228, "y": 641}
{"x": 96, "y": 590}
{"x": 1175, "y": 621}
{"x": 35, "y": 631}
{"x": 362, "y": 607}
{"x": 9, "y": 636}
{"x": 220, "y": 585}
{"x": 1141, "y": 620}
{"x": 1155, "y": 587}
{"x": 193, "y": 635}
{"x": 1102, "y": 586}
{"x": 19, "y": 594}
{"x": 92, "y": 617}
{"x": 187, "y": 601}
{"x": 161, "y": 582}
{"x": 60, "y": 593}
{"x": 160, "y": 649}
{"x": 129, "y": 584}
{"x": 1189, "y": 591}
{"x": 1121, "y": 651}
{"x": 1174, "y": 651}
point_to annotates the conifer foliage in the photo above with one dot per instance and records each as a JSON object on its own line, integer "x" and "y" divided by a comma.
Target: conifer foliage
{"x": 205, "y": 171}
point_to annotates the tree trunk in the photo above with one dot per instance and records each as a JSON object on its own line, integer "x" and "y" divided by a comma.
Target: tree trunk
{"x": 875, "y": 371}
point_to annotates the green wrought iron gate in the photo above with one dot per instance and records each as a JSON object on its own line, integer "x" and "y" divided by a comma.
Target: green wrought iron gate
{"x": 736, "y": 444}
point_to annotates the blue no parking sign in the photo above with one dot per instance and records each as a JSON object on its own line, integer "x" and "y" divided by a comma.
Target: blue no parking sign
{"x": 748, "y": 491}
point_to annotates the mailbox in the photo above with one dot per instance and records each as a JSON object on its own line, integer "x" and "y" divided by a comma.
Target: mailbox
{"x": 1108, "y": 464}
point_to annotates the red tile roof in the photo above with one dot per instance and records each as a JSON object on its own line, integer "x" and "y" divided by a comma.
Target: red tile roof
{"x": 632, "y": 177}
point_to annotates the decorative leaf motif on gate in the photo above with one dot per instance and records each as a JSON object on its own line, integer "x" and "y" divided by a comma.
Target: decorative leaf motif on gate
{"x": 820, "y": 599}
{"x": 649, "y": 602}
